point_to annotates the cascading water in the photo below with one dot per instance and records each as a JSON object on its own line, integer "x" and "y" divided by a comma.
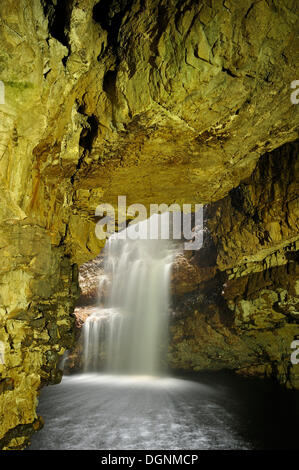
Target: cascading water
{"x": 129, "y": 334}
{"x": 140, "y": 408}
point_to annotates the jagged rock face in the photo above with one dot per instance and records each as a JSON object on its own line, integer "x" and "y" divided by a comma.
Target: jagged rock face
{"x": 261, "y": 215}
{"x": 101, "y": 99}
{"x": 160, "y": 101}
{"x": 186, "y": 276}
{"x": 235, "y": 304}
{"x": 38, "y": 290}
{"x": 247, "y": 316}
{"x": 250, "y": 333}
{"x": 191, "y": 97}
{"x": 89, "y": 274}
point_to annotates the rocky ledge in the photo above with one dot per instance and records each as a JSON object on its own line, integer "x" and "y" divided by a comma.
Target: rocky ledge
{"x": 161, "y": 101}
{"x": 242, "y": 312}
{"x": 234, "y": 304}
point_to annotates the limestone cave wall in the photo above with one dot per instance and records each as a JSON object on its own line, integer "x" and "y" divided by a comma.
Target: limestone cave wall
{"x": 161, "y": 101}
{"x": 240, "y": 310}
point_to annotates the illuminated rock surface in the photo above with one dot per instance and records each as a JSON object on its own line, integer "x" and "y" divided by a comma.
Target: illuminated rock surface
{"x": 159, "y": 101}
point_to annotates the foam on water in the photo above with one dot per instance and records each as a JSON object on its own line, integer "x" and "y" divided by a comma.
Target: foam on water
{"x": 130, "y": 333}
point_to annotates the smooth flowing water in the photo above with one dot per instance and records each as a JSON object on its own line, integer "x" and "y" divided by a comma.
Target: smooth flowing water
{"x": 147, "y": 410}
{"x": 129, "y": 335}
{"x": 94, "y": 411}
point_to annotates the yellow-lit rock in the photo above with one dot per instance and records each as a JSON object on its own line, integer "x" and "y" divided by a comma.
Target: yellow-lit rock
{"x": 177, "y": 106}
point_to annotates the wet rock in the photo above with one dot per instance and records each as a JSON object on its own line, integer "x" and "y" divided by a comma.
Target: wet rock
{"x": 161, "y": 101}
{"x": 186, "y": 276}
{"x": 251, "y": 316}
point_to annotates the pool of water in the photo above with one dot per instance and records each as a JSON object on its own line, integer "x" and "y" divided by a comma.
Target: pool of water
{"x": 94, "y": 411}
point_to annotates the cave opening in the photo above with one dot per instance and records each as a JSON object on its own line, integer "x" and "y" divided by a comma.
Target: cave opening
{"x": 125, "y": 302}
{"x": 118, "y": 371}
{"x": 168, "y": 346}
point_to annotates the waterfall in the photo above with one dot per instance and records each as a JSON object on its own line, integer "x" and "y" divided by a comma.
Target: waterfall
{"x": 127, "y": 335}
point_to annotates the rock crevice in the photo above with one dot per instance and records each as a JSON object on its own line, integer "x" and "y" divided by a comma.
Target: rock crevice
{"x": 160, "y": 101}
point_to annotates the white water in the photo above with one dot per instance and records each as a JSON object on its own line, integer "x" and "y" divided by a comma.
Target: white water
{"x": 98, "y": 411}
{"x": 110, "y": 411}
{"x": 129, "y": 335}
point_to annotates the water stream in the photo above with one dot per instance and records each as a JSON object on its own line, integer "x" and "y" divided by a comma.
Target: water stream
{"x": 98, "y": 411}
{"x": 129, "y": 335}
{"x": 123, "y": 400}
